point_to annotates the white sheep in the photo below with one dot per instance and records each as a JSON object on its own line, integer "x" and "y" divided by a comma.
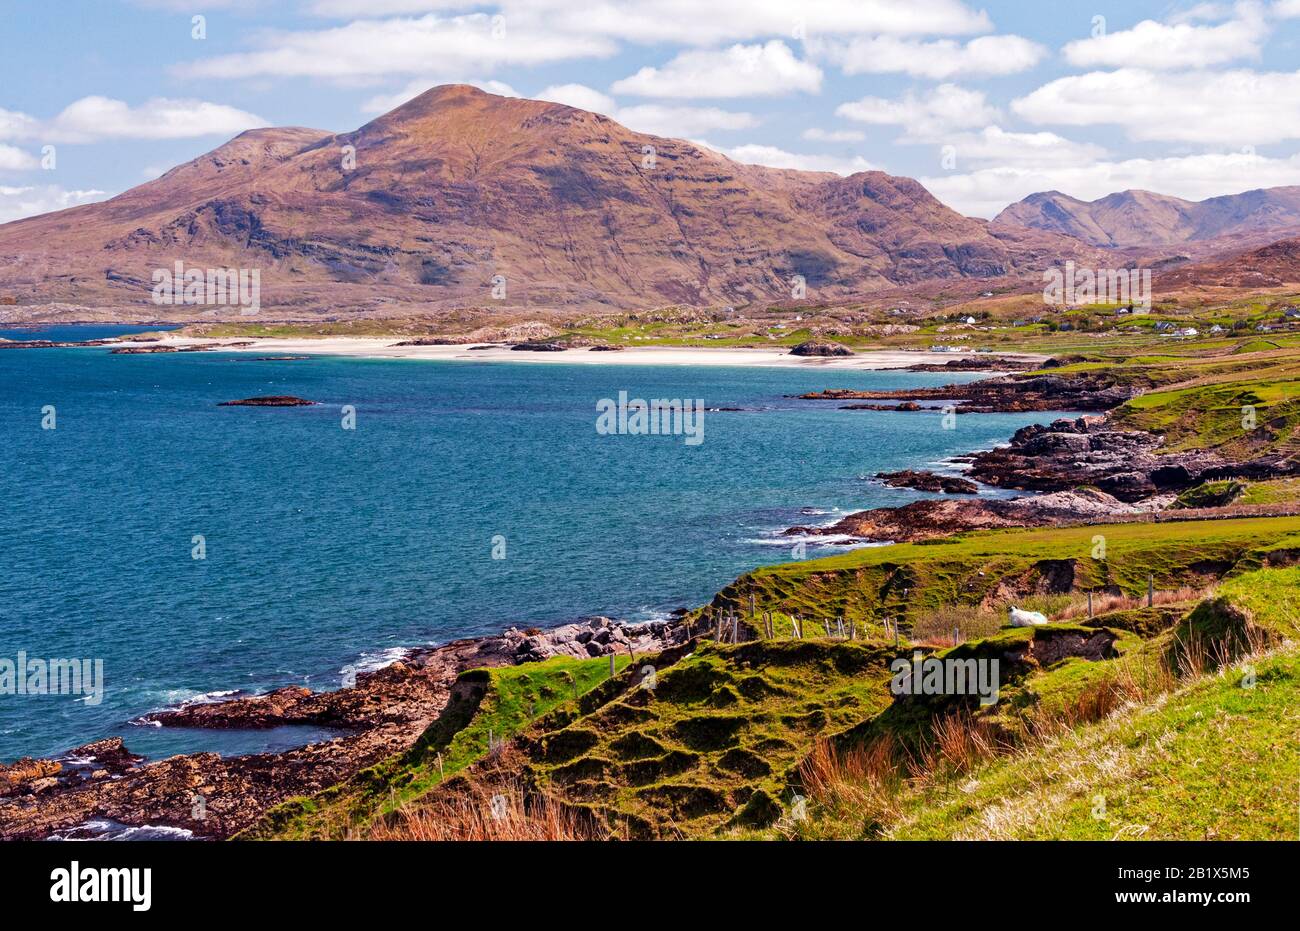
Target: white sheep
{"x": 1020, "y": 618}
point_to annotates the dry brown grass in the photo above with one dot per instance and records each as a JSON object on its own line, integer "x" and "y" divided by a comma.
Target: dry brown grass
{"x": 866, "y": 780}
{"x": 971, "y": 622}
{"x": 1197, "y": 655}
{"x": 1104, "y": 604}
{"x": 470, "y": 815}
{"x": 959, "y": 743}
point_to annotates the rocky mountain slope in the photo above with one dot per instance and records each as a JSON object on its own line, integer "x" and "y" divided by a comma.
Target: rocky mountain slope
{"x": 1146, "y": 219}
{"x": 1270, "y": 266}
{"x": 462, "y": 198}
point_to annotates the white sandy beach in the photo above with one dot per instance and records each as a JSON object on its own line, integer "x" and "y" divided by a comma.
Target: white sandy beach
{"x": 385, "y": 348}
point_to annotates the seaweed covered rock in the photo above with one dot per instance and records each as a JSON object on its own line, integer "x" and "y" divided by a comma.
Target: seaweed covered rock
{"x": 274, "y": 400}
{"x": 928, "y": 481}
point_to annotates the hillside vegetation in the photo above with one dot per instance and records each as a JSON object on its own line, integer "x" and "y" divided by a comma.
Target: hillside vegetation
{"x": 1140, "y": 707}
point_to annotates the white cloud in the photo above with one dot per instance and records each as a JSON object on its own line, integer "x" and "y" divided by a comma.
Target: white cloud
{"x": 1200, "y": 12}
{"x": 986, "y": 191}
{"x": 834, "y": 135}
{"x": 653, "y": 118}
{"x": 773, "y": 157}
{"x": 924, "y": 117}
{"x": 186, "y": 6}
{"x": 1158, "y": 46}
{"x": 739, "y": 71}
{"x": 15, "y": 125}
{"x": 1229, "y": 108}
{"x": 580, "y": 96}
{"x": 347, "y": 9}
{"x": 937, "y": 60}
{"x": 94, "y": 118}
{"x": 382, "y": 103}
{"x": 19, "y": 202}
{"x": 689, "y": 22}
{"x": 1042, "y": 149}
{"x": 683, "y": 122}
{"x": 475, "y": 43}
{"x": 13, "y": 159}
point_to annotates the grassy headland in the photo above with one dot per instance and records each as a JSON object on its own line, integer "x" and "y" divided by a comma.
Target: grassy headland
{"x": 731, "y": 736}
{"x": 1169, "y": 715}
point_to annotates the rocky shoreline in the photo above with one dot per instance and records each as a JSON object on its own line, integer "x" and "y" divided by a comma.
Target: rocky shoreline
{"x": 999, "y": 395}
{"x": 214, "y": 797}
{"x": 1083, "y": 469}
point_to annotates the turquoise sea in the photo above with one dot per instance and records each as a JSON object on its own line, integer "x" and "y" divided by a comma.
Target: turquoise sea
{"x": 328, "y": 548}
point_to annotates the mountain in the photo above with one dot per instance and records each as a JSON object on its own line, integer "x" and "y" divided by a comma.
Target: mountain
{"x": 1270, "y": 266}
{"x": 457, "y": 187}
{"x": 1142, "y": 218}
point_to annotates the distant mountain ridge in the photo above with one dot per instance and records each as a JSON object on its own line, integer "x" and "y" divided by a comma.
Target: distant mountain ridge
{"x": 1145, "y": 219}
{"x": 459, "y": 197}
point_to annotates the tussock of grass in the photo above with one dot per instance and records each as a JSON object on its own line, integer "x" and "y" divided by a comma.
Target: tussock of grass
{"x": 478, "y": 813}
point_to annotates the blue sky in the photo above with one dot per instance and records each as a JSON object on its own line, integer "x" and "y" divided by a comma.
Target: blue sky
{"x": 983, "y": 103}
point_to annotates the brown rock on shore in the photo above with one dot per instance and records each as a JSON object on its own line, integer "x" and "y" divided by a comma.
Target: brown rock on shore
{"x": 932, "y": 518}
{"x": 928, "y": 481}
{"x": 1068, "y": 453}
{"x": 48, "y": 344}
{"x": 437, "y": 341}
{"x": 821, "y": 347}
{"x": 907, "y": 406}
{"x": 1011, "y": 393}
{"x": 979, "y": 363}
{"x": 26, "y": 774}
